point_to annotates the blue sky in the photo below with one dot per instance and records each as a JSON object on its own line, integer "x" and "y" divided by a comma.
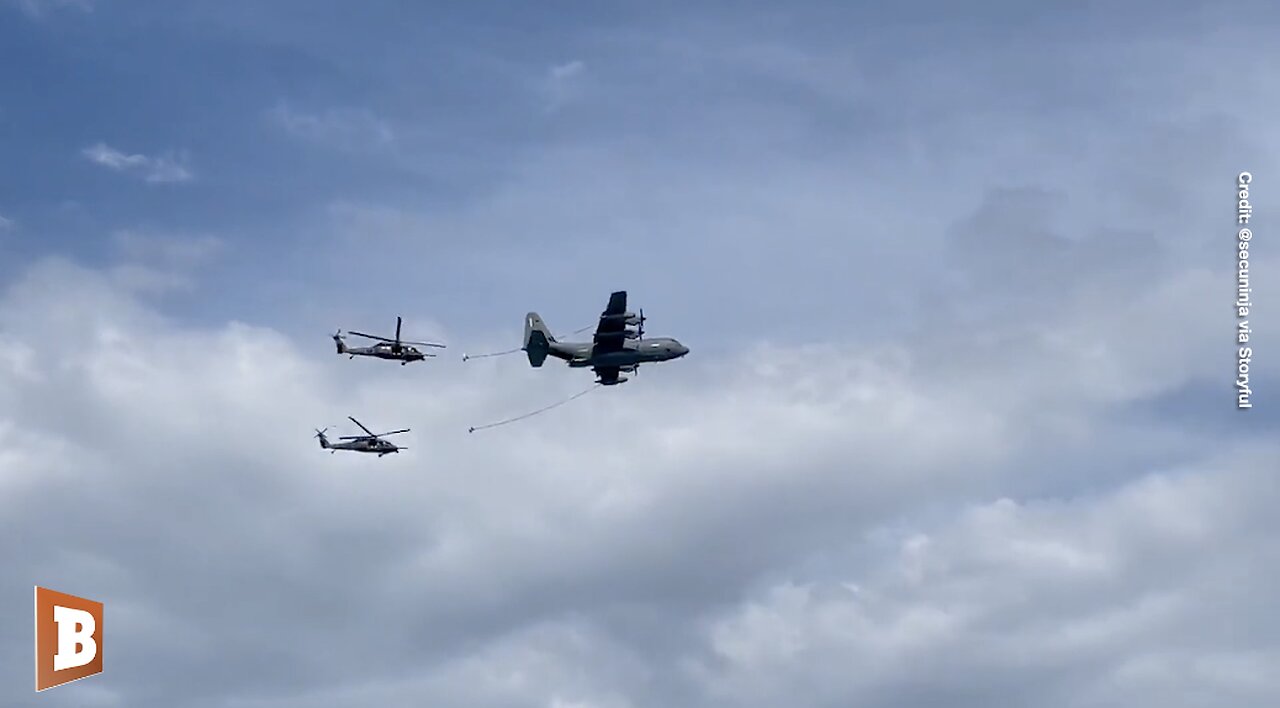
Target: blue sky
{"x": 430, "y": 116}
{"x": 957, "y": 421}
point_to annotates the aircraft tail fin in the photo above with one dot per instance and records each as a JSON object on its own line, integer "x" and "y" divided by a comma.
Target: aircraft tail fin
{"x": 537, "y": 339}
{"x": 324, "y": 442}
{"x": 337, "y": 340}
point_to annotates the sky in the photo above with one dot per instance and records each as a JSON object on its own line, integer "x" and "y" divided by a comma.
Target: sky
{"x": 957, "y": 425}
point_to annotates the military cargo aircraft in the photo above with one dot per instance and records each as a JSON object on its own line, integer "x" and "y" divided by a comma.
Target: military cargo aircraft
{"x": 619, "y": 344}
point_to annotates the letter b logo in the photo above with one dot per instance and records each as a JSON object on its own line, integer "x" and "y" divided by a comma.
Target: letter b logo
{"x": 68, "y": 638}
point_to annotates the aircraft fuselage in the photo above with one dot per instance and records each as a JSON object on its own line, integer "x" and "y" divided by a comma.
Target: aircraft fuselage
{"x": 633, "y": 352}
{"x": 385, "y": 354}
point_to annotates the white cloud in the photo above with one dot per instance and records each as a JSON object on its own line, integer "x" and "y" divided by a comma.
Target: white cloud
{"x": 1033, "y": 493}
{"x": 731, "y": 530}
{"x": 166, "y": 168}
{"x": 151, "y": 263}
{"x": 170, "y": 249}
{"x": 39, "y": 8}
{"x": 341, "y": 128}
{"x": 5, "y": 222}
{"x": 564, "y": 72}
{"x": 143, "y": 279}
{"x": 1112, "y": 599}
{"x": 562, "y": 84}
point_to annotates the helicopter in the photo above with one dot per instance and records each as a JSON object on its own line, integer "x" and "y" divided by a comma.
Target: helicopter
{"x": 362, "y": 443}
{"x": 395, "y": 349}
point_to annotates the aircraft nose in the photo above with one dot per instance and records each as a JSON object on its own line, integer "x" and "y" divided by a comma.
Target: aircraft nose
{"x": 682, "y": 350}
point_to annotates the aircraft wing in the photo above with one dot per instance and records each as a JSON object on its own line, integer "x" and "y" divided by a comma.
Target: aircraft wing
{"x": 610, "y": 333}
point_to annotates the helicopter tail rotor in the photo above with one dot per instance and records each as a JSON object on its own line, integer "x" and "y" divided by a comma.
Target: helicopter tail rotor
{"x": 337, "y": 341}
{"x": 324, "y": 442}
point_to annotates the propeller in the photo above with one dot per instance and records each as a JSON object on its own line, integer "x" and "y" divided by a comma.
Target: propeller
{"x": 641, "y": 329}
{"x": 320, "y": 433}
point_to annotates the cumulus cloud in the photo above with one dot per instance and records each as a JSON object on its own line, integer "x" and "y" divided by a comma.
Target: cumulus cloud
{"x": 997, "y": 503}
{"x": 166, "y": 168}
{"x": 735, "y": 531}
{"x": 341, "y": 128}
{"x": 1099, "y": 600}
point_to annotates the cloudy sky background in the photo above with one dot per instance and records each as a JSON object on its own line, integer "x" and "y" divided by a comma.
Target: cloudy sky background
{"x": 957, "y": 428}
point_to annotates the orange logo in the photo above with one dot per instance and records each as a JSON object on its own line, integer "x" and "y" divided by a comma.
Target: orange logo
{"x": 68, "y": 638}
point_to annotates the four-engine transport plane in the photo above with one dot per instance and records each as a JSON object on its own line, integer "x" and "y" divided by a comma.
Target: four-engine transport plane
{"x": 362, "y": 443}
{"x": 394, "y": 349}
{"x": 615, "y": 348}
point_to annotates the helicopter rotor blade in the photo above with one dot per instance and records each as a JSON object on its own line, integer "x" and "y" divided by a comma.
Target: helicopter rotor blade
{"x": 370, "y": 336}
{"x": 426, "y": 344}
{"x": 370, "y": 432}
{"x": 398, "y": 330}
{"x": 393, "y": 432}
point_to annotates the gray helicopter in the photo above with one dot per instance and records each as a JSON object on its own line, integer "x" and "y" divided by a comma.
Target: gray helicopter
{"x": 395, "y": 349}
{"x": 362, "y": 443}
{"x": 615, "y": 348}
